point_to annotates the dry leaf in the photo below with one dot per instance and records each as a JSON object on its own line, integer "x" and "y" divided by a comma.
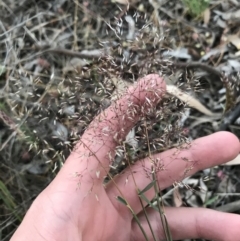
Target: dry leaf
{"x": 214, "y": 53}
{"x": 177, "y": 197}
{"x": 235, "y": 40}
{"x": 203, "y": 191}
{"x": 226, "y": 185}
{"x": 205, "y": 119}
{"x": 231, "y": 66}
{"x": 131, "y": 27}
{"x": 59, "y": 131}
{"x": 181, "y": 53}
{"x": 206, "y": 16}
{"x": 189, "y": 100}
{"x": 229, "y": 15}
{"x": 75, "y": 64}
{"x": 131, "y": 140}
{"x": 125, "y": 2}
{"x": 121, "y": 86}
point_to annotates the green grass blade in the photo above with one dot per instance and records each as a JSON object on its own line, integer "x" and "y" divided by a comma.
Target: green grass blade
{"x": 148, "y": 187}
{"x": 144, "y": 198}
{"x": 8, "y": 199}
{"x": 122, "y": 200}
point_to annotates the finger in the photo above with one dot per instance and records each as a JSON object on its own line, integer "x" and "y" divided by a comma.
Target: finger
{"x": 190, "y": 223}
{"x": 92, "y": 155}
{"x": 176, "y": 165}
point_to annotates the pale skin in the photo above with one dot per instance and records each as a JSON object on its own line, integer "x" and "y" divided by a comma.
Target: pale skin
{"x": 81, "y": 208}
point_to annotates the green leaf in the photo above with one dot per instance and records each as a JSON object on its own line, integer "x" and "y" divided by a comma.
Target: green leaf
{"x": 144, "y": 198}
{"x": 122, "y": 200}
{"x": 211, "y": 201}
{"x": 149, "y": 186}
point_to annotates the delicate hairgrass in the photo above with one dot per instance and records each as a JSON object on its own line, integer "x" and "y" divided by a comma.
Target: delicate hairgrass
{"x": 36, "y": 98}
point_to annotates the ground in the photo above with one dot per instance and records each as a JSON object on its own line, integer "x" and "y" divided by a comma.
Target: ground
{"x": 63, "y": 61}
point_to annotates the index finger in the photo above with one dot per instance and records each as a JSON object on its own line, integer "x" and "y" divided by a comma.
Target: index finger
{"x": 96, "y": 149}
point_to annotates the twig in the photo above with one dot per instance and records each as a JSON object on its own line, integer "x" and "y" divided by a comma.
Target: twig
{"x": 75, "y": 45}
{"x": 83, "y": 54}
{"x": 230, "y": 207}
{"x": 230, "y": 117}
{"x": 197, "y": 65}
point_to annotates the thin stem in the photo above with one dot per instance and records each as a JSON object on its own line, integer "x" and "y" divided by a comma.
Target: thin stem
{"x": 127, "y": 204}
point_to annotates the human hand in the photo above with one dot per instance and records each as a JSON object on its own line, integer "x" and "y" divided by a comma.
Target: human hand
{"x": 92, "y": 212}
